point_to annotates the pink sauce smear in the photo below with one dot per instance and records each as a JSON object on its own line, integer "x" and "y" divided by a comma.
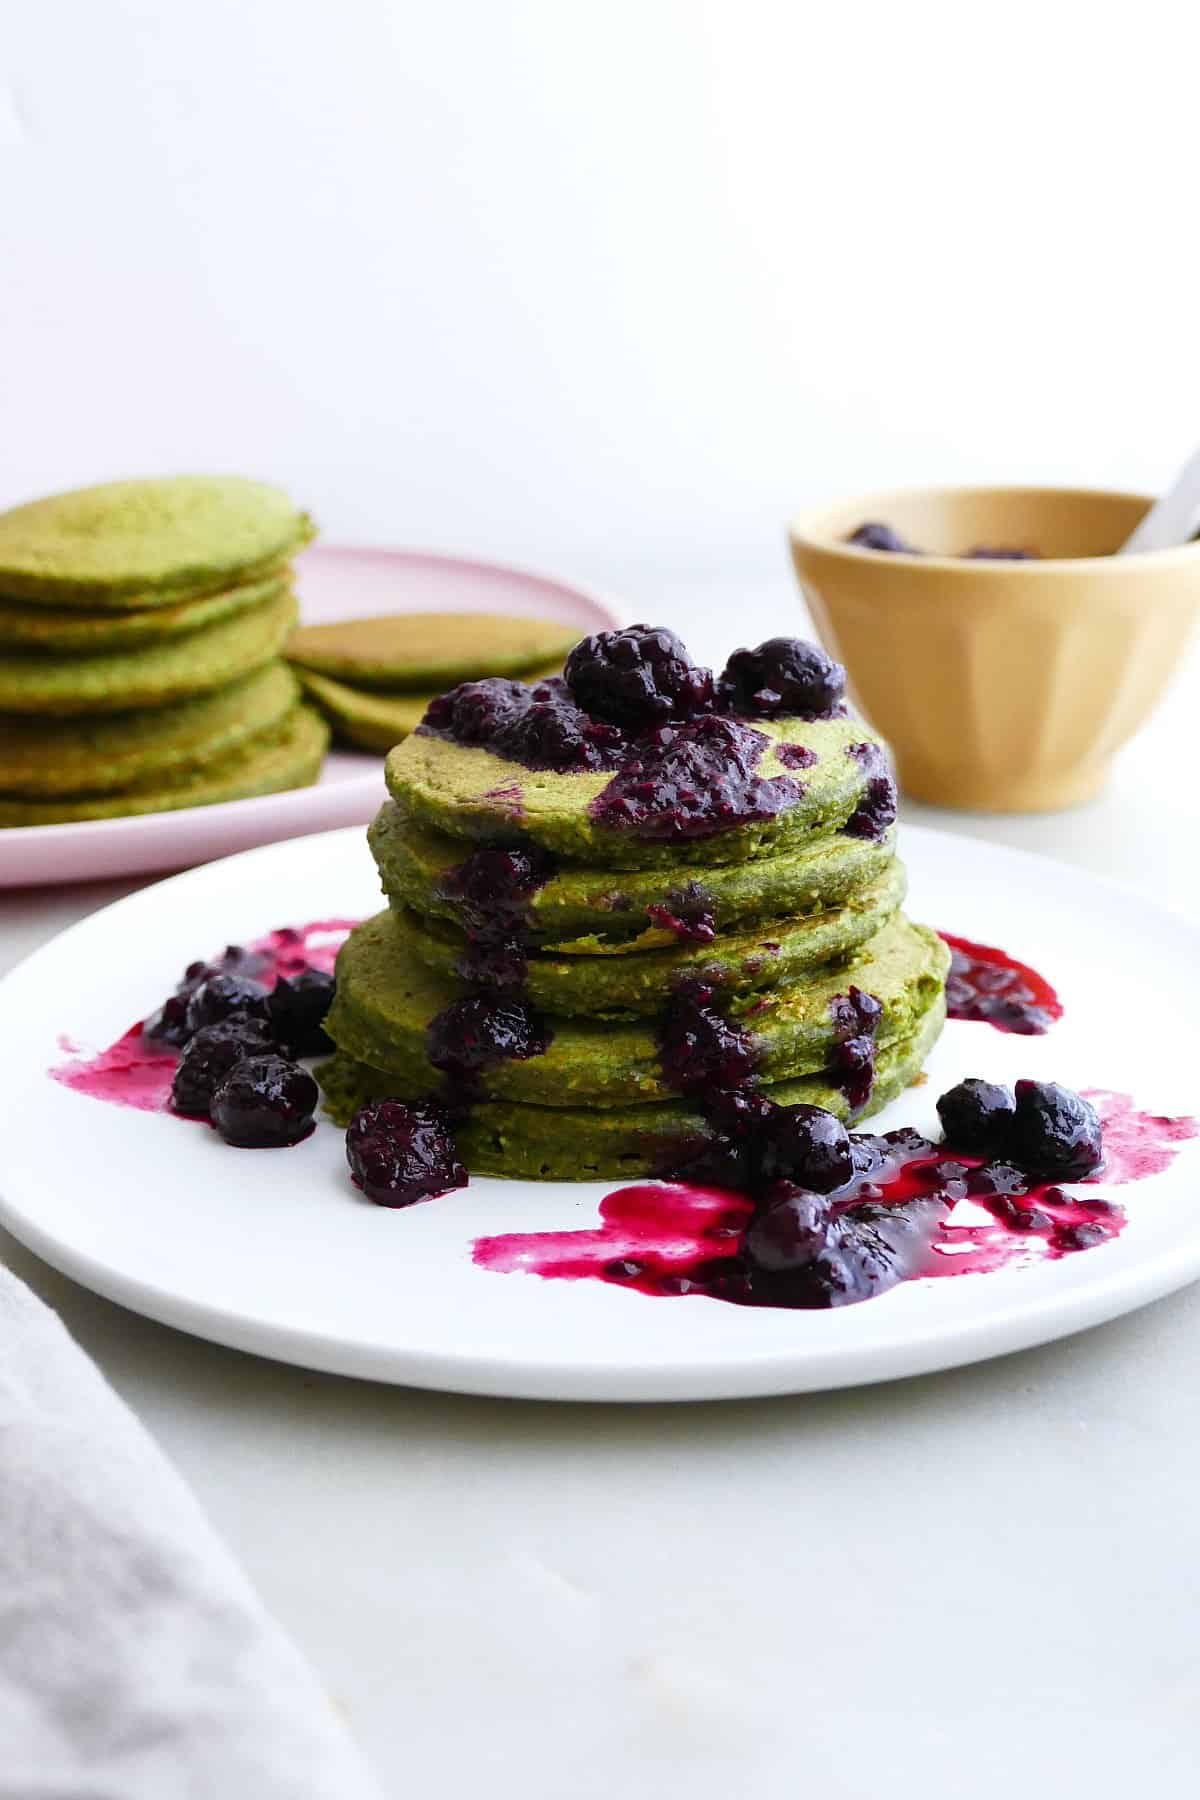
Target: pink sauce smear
{"x": 137, "y": 1072}
{"x": 672, "y": 1238}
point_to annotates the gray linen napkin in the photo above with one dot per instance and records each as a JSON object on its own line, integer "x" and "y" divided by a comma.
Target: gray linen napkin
{"x": 135, "y": 1661}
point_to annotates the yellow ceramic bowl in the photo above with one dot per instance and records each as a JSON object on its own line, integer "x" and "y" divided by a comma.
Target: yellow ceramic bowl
{"x": 1005, "y": 686}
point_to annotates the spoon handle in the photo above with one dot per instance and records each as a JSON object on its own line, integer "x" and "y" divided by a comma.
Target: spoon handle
{"x": 1175, "y": 518}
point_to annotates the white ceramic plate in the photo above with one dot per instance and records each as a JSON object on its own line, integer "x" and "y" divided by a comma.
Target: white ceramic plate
{"x": 332, "y": 584}
{"x": 274, "y": 1252}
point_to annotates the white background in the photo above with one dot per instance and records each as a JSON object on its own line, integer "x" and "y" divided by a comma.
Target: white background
{"x": 608, "y": 286}
{"x": 613, "y": 288}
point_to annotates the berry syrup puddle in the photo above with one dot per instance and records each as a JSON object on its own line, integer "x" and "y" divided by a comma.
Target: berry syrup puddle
{"x": 675, "y": 1238}
{"x": 137, "y": 1072}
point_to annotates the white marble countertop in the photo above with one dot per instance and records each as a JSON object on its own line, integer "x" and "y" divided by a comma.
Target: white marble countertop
{"x": 976, "y": 1583}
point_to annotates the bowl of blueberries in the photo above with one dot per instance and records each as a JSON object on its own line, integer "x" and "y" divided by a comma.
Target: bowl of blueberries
{"x": 995, "y": 637}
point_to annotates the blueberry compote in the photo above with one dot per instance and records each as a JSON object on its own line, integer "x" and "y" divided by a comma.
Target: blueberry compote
{"x": 876, "y": 811}
{"x": 262, "y": 1001}
{"x": 688, "y": 912}
{"x": 634, "y": 703}
{"x": 490, "y": 893}
{"x": 541, "y": 727}
{"x": 399, "y": 1154}
{"x": 637, "y": 678}
{"x": 693, "y": 780}
{"x": 856, "y": 1019}
{"x": 988, "y": 985}
{"x": 772, "y": 1235}
{"x": 783, "y": 676}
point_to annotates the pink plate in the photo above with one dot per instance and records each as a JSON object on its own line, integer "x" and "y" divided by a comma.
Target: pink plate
{"x": 333, "y": 584}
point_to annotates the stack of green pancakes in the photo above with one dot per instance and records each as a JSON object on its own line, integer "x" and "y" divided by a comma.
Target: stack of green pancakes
{"x": 373, "y": 678}
{"x": 777, "y": 925}
{"x": 142, "y": 625}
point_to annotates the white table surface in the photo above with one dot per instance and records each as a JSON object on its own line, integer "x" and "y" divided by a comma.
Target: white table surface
{"x": 970, "y": 1584}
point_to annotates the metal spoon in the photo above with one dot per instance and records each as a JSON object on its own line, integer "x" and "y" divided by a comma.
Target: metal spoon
{"x": 1175, "y": 519}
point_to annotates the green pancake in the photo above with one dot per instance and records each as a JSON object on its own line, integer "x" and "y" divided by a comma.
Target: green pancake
{"x": 386, "y": 999}
{"x": 605, "y": 909}
{"x": 124, "y": 680}
{"x": 429, "y": 652}
{"x": 133, "y": 544}
{"x": 372, "y": 721}
{"x": 602, "y": 985}
{"x": 470, "y": 793}
{"x": 540, "y": 1143}
{"x": 72, "y": 631}
{"x": 44, "y": 758}
{"x": 287, "y": 756}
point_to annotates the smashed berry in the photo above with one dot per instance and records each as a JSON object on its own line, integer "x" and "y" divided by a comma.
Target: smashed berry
{"x": 296, "y": 1009}
{"x": 699, "y": 1048}
{"x": 874, "y": 535}
{"x": 482, "y": 1029}
{"x": 169, "y": 1023}
{"x": 976, "y": 1116}
{"x": 728, "y": 1156}
{"x": 400, "y": 1153}
{"x": 636, "y": 678}
{"x": 806, "y": 1145}
{"x": 493, "y": 888}
{"x": 552, "y": 732}
{"x": 875, "y": 813}
{"x": 997, "y": 1180}
{"x": 475, "y": 711}
{"x": 264, "y": 1102}
{"x": 788, "y": 1231}
{"x": 210, "y": 1054}
{"x": 784, "y": 676}
{"x": 220, "y": 995}
{"x": 692, "y": 781}
{"x": 1054, "y": 1133}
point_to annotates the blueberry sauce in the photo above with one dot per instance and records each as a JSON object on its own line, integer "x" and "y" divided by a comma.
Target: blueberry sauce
{"x": 491, "y": 893}
{"x": 541, "y": 727}
{"x": 138, "y": 1070}
{"x": 855, "y": 1018}
{"x": 633, "y": 703}
{"x": 701, "y": 1052}
{"x": 876, "y": 811}
{"x": 988, "y": 985}
{"x": 693, "y": 780}
{"x": 963, "y": 1216}
{"x": 688, "y": 913}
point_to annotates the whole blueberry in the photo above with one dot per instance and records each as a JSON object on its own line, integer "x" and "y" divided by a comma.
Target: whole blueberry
{"x": 264, "y": 1103}
{"x": 399, "y": 1153}
{"x": 1054, "y": 1133}
{"x": 784, "y": 676}
{"x": 484, "y": 1028}
{"x": 976, "y": 1116}
{"x": 221, "y": 995}
{"x": 805, "y": 1145}
{"x": 874, "y": 535}
{"x": 789, "y": 1231}
{"x": 637, "y": 677}
{"x": 209, "y": 1055}
{"x": 296, "y": 1008}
